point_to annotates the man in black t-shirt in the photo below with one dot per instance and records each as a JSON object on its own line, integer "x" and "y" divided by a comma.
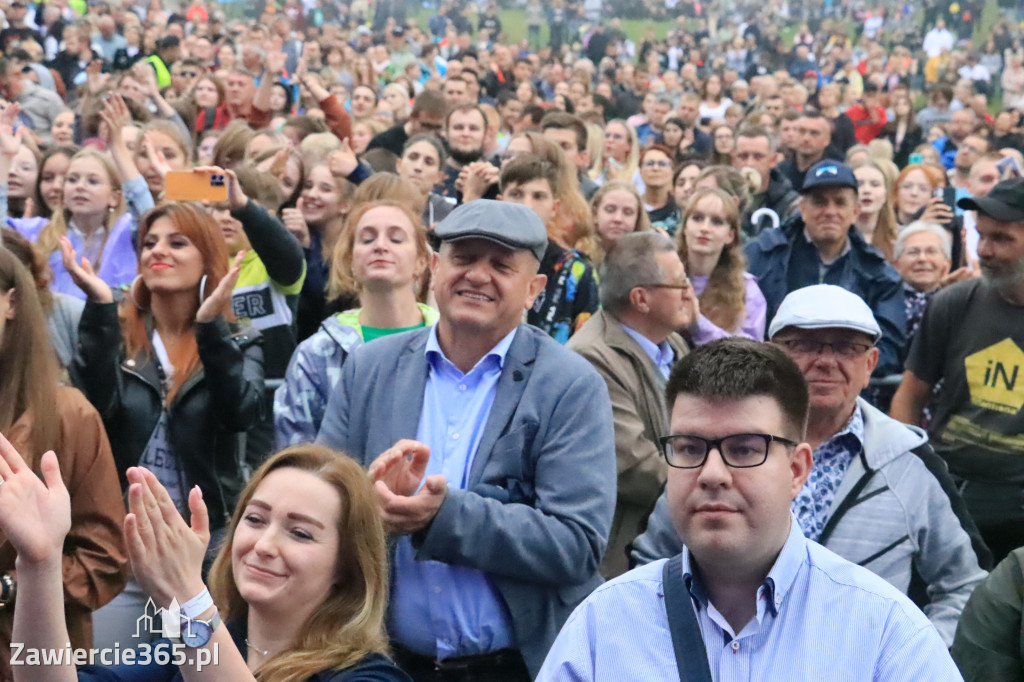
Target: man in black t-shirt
{"x": 972, "y": 337}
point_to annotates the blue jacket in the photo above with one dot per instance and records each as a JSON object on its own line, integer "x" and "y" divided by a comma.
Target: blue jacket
{"x": 537, "y": 509}
{"x": 784, "y": 260}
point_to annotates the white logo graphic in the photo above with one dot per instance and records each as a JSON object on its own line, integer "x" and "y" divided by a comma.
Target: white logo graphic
{"x": 159, "y": 621}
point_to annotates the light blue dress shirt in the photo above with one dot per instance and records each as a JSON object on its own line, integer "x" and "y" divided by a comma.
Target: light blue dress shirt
{"x": 661, "y": 354}
{"x": 819, "y": 617}
{"x": 439, "y": 609}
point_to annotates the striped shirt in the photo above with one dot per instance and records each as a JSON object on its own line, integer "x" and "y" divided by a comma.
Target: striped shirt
{"x": 819, "y": 617}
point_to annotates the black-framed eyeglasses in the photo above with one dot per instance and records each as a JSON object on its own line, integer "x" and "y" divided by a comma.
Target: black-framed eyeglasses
{"x": 847, "y": 350}
{"x": 739, "y": 451}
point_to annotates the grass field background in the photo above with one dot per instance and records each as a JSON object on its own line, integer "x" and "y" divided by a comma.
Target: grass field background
{"x": 514, "y": 25}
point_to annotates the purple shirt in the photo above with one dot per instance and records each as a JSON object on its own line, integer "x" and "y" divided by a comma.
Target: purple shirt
{"x": 753, "y": 324}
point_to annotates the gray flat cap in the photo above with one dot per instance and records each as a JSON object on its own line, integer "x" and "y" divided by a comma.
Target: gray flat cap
{"x": 514, "y": 226}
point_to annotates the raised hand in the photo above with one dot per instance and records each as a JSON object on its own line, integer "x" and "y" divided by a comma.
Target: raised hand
{"x": 146, "y": 76}
{"x": 236, "y": 197}
{"x": 83, "y": 275}
{"x": 295, "y": 223}
{"x": 279, "y": 163}
{"x": 95, "y": 78}
{"x": 35, "y": 514}
{"x": 275, "y": 62}
{"x": 166, "y": 553}
{"x": 343, "y": 161}
{"x": 156, "y": 157}
{"x": 301, "y": 70}
{"x": 217, "y": 302}
{"x": 10, "y": 141}
{"x": 116, "y": 115}
{"x": 937, "y": 212}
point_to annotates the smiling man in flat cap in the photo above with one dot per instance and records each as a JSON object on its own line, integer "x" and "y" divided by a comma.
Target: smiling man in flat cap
{"x": 493, "y": 453}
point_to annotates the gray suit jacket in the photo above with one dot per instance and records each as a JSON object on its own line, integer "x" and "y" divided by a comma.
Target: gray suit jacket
{"x": 538, "y": 507}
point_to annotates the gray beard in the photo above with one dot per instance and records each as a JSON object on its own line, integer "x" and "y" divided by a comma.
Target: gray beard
{"x": 1004, "y": 279}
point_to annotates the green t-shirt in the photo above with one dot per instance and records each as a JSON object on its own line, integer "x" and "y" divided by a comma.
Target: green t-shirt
{"x": 371, "y": 333}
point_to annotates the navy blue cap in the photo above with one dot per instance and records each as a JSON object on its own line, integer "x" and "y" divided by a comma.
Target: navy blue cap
{"x": 828, "y": 174}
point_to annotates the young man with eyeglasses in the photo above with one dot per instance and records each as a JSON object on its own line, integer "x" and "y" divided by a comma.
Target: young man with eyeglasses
{"x": 766, "y": 601}
{"x": 877, "y": 494}
{"x": 822, "y": 245}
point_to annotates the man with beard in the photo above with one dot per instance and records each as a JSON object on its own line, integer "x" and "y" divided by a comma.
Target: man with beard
{"x": 465, "y": 131}
{"x": 972, "y": 338}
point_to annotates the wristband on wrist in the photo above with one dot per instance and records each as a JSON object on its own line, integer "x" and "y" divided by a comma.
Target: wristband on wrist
{"x": 195, "y": 606}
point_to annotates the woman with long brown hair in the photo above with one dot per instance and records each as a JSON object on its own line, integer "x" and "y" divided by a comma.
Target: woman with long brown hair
{"x": 38, "y": 415}
{"x": 731, "y": 304}
{"x": 298, "y": 592}
{"x": 876, "y": 219}
{"x": 175, "y": 382}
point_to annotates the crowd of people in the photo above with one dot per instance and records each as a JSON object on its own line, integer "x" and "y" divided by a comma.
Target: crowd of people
{"x": 414, "y": 341}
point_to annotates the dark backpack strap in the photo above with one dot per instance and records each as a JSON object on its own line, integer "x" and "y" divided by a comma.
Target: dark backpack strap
{"x": 691, "y": 656}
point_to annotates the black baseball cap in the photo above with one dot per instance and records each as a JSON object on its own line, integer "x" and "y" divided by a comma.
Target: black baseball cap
{"x": 1005, "y": 202}
{"x": 828, "y": 174}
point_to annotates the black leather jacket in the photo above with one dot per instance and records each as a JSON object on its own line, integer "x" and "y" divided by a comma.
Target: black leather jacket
{"x": 220, "y": 401}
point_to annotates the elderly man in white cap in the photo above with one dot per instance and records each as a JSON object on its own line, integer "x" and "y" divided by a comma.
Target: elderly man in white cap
{"x": 877, "y": 494}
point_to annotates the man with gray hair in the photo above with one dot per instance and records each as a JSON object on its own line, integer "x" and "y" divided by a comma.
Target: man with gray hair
{"x": 632, "y": 343}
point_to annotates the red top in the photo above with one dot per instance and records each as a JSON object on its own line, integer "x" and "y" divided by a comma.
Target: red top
{"x": 864, "y": 128}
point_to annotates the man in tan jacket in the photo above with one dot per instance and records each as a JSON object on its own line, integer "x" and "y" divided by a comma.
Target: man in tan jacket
{"x": 632, "y": 342}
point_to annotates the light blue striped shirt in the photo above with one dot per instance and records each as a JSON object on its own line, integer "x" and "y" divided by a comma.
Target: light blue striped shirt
{"x": 819, "y": 617}
{"x": 439, "y": 609}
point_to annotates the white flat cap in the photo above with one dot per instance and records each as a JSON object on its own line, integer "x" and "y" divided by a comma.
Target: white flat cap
{"x": 825, "y": 306}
